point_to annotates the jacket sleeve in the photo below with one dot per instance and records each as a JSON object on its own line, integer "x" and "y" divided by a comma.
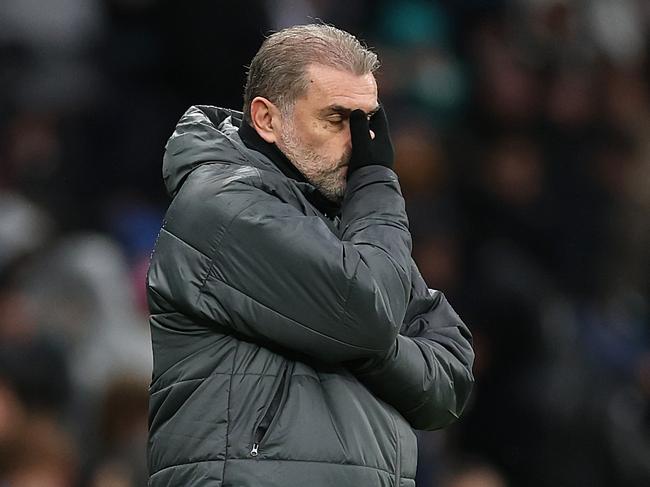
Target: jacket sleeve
{"x": 427, "y": 376}
{"x": 276, "y": 276}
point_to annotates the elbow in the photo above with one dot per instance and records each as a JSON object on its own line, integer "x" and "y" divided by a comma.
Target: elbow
{"x": 384, "y": 339}
{"x": 443, "y": 407}
{"x": 438, "y": 420}
{"x": 376, "y": 335}
{"x": 387, "y": 325}
{"x": 377, "y": 312}
{"x": 377, "y": 322}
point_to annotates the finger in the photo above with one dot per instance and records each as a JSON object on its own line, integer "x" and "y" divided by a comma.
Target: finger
{"x": 359, "y": 127}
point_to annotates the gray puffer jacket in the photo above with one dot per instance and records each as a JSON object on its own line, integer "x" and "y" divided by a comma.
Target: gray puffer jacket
{"x": 290, "y": 349}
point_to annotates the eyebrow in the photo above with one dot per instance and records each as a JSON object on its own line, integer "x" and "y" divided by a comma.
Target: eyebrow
{"x": 343, "y": 110}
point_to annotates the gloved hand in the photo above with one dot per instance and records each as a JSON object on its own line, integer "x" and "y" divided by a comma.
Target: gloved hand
{"x": 365, "y": 150}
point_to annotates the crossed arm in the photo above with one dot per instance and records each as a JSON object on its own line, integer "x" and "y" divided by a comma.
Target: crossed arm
{"x": 427, "y": 375}
{"x": 275, "y": 275}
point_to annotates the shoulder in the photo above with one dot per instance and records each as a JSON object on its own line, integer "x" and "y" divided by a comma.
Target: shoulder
{"x": 210, "y": 198}
{"x": 216, "y": 196}
{"x": 211, "y": 186}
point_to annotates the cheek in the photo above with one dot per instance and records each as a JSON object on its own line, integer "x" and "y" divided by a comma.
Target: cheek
{"x": 337, "y": 145}
{"x": 319, "y": 140}
{"x": 327, "y": 142}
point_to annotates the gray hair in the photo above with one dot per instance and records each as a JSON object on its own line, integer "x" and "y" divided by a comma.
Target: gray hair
{"x": 278, "y": 70}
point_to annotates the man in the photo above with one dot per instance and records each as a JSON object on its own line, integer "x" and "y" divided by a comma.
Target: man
{"x": 295, "y": 342}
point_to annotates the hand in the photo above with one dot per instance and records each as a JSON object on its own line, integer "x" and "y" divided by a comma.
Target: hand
{"x": 366, "y": 150}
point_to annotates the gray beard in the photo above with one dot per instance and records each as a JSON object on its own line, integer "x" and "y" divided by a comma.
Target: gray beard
{"x": 310, "y": 164}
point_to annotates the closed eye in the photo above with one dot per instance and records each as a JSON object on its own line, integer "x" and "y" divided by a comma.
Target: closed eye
{"x": 336, "y": 119}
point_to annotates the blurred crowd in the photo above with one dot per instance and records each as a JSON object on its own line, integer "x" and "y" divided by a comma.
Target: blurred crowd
{"x": 522, "y": 131}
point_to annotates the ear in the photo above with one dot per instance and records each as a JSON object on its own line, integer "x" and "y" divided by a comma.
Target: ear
{"x": 265, "y": 118}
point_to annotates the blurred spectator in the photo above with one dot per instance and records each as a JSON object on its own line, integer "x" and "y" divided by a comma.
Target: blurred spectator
{"x": 123, "y": 435}
{"x": 23, "y": 228}
{"x": 12, "y": 417}
{"x": 81, "y": 292}
{"x": 45, "y": 384}
{"x": 42, "y": 454}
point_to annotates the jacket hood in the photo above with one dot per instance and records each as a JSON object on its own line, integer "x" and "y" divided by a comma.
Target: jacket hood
{"x": 203, "y": 134}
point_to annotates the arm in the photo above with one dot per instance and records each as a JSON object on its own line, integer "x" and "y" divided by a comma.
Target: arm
{"x": 268, "y": 272}
{"x": 427, "y": 376}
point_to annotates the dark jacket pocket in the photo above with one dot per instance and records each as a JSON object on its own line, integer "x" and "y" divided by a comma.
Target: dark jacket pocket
{"x": 264, "y": 425}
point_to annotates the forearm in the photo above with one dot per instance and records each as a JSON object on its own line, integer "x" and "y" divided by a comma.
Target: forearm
{"x": 427, "y": 375}
{"x": 424, "y": 382}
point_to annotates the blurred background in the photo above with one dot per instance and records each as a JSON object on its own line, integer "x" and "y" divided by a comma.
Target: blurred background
{"x": 522, "y": 131}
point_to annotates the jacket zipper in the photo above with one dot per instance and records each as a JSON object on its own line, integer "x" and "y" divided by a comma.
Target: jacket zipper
{"x": 269, "y": 415}
{"x": 398, "y": 460}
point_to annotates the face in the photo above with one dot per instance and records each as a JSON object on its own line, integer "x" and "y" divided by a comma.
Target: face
{"x": 315, "y": 135}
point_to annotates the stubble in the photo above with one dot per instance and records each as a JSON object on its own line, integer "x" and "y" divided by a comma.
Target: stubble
{"x": 328, "y": 176}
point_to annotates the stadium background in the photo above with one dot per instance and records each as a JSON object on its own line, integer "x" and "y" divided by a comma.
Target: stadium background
{"x": 523, "y": 147}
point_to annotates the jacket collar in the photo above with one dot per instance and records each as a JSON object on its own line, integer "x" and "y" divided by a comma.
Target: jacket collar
{"x": 252, "y": 140}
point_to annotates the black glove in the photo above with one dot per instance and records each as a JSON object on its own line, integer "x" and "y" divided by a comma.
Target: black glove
{"x": 367, "y": 151}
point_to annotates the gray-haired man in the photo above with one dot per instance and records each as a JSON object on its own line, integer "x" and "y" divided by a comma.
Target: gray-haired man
{"x": 295, "y": 342}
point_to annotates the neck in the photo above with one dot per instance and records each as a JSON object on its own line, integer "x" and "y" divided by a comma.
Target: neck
{"x": 253, "y": 140}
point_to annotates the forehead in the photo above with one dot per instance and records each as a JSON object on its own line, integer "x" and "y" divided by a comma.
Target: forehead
{"x": 330, "y": 86}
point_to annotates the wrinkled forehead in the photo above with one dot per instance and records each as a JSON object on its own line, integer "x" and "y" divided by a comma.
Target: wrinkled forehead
{"x": 332, "y": 87}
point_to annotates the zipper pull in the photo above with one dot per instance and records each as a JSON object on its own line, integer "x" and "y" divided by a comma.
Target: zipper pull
{"x": 254, "y": 450}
